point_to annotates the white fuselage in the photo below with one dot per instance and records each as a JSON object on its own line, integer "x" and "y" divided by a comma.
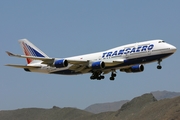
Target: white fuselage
{"x": 132, "y": 54}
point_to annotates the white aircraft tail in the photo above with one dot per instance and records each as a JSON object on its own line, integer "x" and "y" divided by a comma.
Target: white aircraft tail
{"x": 31, "y": 50}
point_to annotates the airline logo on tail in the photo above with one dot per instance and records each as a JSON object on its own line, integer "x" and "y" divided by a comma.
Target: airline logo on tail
{"x": 30, "y": 50}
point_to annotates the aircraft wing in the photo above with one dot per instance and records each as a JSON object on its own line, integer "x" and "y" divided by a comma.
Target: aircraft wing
{"x": 82, "y": 66}
{"x": 113, "y": 62}
{"x": 46, "y": 60}
{"x": 78, "y": 61}
{"x": 77, "y": 65}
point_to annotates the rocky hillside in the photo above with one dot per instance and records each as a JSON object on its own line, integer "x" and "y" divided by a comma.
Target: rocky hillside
{"x": 114, "y": 106}
{"x": 159, "y": 95}
{"x": 44, "y": 114}
{"x": 105, "y": 107}
{"x": 145, "y": 107}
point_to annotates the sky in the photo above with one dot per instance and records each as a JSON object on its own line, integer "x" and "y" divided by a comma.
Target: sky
{"x": 69, "y": 28}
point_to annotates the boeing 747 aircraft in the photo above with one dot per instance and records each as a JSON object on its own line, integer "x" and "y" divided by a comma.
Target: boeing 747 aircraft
{"x": 127, "y": 58}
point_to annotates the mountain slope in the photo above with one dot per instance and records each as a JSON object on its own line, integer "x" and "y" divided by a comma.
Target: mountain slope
{"x": 114, "y": 106}
{"x": 43, "y": 114}
{"x": 159, "y": 95}
{"x": 105, "y": 107}
{"x": 167, "y": 109}
{"x": 144, "y": 107}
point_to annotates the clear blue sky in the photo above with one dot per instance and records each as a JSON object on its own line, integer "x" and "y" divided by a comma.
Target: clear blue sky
{"x": 67, "y": 28}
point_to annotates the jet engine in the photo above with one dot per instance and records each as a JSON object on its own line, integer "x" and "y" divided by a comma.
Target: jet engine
{"x": 61, "y": 63}
{"x": 133, "y": 69}
{"x": 98, "y": 65}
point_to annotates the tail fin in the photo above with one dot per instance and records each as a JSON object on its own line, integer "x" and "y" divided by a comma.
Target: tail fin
{"x": 30, "y": 50}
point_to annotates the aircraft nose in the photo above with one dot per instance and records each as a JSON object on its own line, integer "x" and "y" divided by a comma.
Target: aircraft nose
{"x": 173, "y": 48}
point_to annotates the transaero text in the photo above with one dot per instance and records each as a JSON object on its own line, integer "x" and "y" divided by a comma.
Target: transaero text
{"x": 128, "y": 50}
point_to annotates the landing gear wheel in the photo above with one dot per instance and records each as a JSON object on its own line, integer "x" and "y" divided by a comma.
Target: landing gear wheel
{"x": 92, "y": 77}
{"x": 113, "y": 75}
{"x": 159, "y": 64}
{"x": 159, "y": 67}
{"x": 97, "y": 75}
{"x": 102, "y": 77}
{"x": 111, "y": 78}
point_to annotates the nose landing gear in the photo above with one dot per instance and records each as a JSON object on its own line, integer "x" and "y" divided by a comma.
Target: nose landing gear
{"x": 159, "y": 64}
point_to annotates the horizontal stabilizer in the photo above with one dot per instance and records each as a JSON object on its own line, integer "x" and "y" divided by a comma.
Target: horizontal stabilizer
{"x": 46, "y": 60}
{"x": 22, "y": 66}
{"x": 24, "y": 56}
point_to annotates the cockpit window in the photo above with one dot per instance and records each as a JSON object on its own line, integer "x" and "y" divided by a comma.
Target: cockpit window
{"x": 162, "y": 41}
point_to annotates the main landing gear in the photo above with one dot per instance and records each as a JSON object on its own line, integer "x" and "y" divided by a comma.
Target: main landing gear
{"x": 159, "y": 64}
{"x": 97, "y": 75}
{"x": 113, "y": 75}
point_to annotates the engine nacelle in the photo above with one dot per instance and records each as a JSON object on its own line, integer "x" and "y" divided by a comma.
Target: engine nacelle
{"x": 134, "y": 69}
{"x": 61, "y": 63}
{"x": 98, "y": 65}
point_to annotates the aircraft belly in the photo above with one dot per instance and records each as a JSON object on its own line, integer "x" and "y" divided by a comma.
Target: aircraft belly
{"x": 66, "y": 72}
{"x": 140, "y": 60}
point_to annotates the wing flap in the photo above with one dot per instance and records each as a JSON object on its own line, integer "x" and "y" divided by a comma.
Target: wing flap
{"x": 77, "y": 61}
{"x": 114, "y": 62}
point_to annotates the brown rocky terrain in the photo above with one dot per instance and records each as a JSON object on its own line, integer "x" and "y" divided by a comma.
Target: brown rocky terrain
{"x": 145, "y": 107}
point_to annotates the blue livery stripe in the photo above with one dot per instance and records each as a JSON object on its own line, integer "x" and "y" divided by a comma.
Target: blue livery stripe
{"x": 33, "y": 51}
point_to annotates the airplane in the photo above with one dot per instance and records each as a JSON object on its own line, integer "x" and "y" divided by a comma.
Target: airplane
{"x": 127, "y": 58}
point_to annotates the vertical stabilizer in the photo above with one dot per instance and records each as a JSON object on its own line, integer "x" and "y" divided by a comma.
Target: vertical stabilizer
{"x": 30, "y": 50}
